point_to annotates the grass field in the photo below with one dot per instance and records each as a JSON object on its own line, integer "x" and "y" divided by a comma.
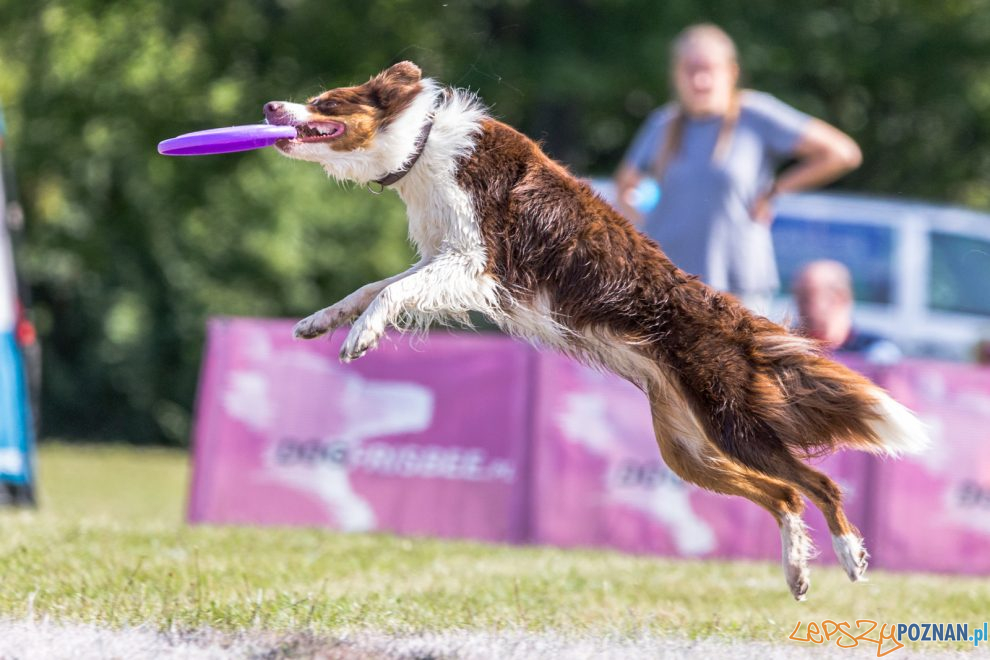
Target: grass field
{"x": 108, "y": 546}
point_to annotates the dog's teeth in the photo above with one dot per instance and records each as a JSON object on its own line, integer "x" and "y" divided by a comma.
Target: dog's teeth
{"x": 316, "y": 130}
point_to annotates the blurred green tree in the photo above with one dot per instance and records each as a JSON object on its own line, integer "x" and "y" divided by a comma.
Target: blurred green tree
{"x": 128, "y": 252}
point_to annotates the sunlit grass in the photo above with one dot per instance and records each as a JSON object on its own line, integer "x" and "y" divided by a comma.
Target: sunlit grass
{"x": 108, "y": 545}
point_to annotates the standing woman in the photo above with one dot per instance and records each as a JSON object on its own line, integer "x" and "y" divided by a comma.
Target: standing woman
{"x": 715, "y": 151}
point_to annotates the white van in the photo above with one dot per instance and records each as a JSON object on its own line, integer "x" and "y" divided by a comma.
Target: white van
{"x": 921, "y": 272}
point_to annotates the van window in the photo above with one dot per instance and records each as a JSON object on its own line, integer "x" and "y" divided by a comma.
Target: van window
{"x": 960, "y": 273}
{"x": 867, "y": 250}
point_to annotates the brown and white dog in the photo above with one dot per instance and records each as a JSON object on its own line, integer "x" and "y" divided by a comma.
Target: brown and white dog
{"x": 501, "y": 229}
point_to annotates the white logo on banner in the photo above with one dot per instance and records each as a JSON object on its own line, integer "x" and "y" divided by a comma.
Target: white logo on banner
{"x": 351, "y": 408}
{"x": 967, "y": 502}
{"x": 246, "y": 400}
{"x": 585, "y": 421}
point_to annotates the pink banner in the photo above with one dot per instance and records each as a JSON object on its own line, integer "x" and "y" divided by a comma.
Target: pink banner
{"x": 932, "y": 512}
{"x": 406, "y": 439}
{"x": 600, "y": 480}
{"x": 480, "y": 436}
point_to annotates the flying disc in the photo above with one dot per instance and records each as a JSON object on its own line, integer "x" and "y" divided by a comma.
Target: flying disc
{"x": 226, "y": 140}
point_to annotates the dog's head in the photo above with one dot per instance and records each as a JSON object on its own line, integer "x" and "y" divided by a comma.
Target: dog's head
{"x": 357, "y": 133}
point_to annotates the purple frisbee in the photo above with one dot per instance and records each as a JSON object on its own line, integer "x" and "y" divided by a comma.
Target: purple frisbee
{"x": 226, "y": 140}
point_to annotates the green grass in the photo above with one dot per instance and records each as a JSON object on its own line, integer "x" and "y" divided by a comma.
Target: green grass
{"x": 108, "y": 545}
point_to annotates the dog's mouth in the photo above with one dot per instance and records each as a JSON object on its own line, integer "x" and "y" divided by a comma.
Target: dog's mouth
{"x": 319, "y": 131}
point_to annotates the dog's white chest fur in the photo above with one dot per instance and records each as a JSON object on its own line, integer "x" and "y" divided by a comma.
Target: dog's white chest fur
{"x": 441, "y": 213}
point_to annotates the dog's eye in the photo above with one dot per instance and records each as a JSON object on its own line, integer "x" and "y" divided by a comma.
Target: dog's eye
{"x": 326, "y": 107}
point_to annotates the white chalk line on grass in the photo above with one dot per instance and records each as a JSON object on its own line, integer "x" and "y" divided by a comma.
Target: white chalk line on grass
{"x": 27, "y": 640}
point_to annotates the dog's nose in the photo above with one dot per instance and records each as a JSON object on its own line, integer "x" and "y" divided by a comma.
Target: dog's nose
{"x": 272, "y": 107}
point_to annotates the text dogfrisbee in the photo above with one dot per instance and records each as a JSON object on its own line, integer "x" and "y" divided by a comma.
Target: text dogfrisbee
{"x": 849, "y": 636}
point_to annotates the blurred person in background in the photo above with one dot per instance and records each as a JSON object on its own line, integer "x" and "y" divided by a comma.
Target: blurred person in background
{"x": 12, "y": 214}
{"x": 715, "y": 151}
{"x": 20, "y": 363}
{"x": 824, "y": 296}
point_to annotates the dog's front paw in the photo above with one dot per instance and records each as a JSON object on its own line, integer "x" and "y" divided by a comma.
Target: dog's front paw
{"x": 362, "y": 338}
{"x": 323, "y": 321}
{"x": 309, "y": 328}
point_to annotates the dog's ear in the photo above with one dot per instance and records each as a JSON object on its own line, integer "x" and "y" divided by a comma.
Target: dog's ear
{"x": 395, "y": 86}
{"x": 403, "y": 73}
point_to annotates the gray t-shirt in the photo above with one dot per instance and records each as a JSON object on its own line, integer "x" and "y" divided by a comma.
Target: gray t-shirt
{"x": 703, "y": 220}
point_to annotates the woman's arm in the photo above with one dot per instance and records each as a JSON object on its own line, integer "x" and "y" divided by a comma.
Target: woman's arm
{"x": 824, "y": 153}
{"x": 638, "y": 160}
{"x": 626, "y": 181}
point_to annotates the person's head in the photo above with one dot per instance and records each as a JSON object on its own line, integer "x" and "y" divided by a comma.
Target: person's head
{"x": 705, "y": 70}
{"x": 824, "y": 297}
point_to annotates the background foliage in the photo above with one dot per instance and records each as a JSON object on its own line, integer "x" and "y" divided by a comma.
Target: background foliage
{"x": 127, "y": 253}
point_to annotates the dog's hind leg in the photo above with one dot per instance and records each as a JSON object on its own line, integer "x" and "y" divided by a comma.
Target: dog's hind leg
{"x": 722, "y": 475}
{"x": 827, "y": 496}
{"x": 701, "y": 463}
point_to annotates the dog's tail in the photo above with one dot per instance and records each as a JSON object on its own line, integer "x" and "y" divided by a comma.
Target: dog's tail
{"x": 816, "y": 405}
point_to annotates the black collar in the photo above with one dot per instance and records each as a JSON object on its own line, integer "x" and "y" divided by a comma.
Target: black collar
{"x": 392, "y": 177}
